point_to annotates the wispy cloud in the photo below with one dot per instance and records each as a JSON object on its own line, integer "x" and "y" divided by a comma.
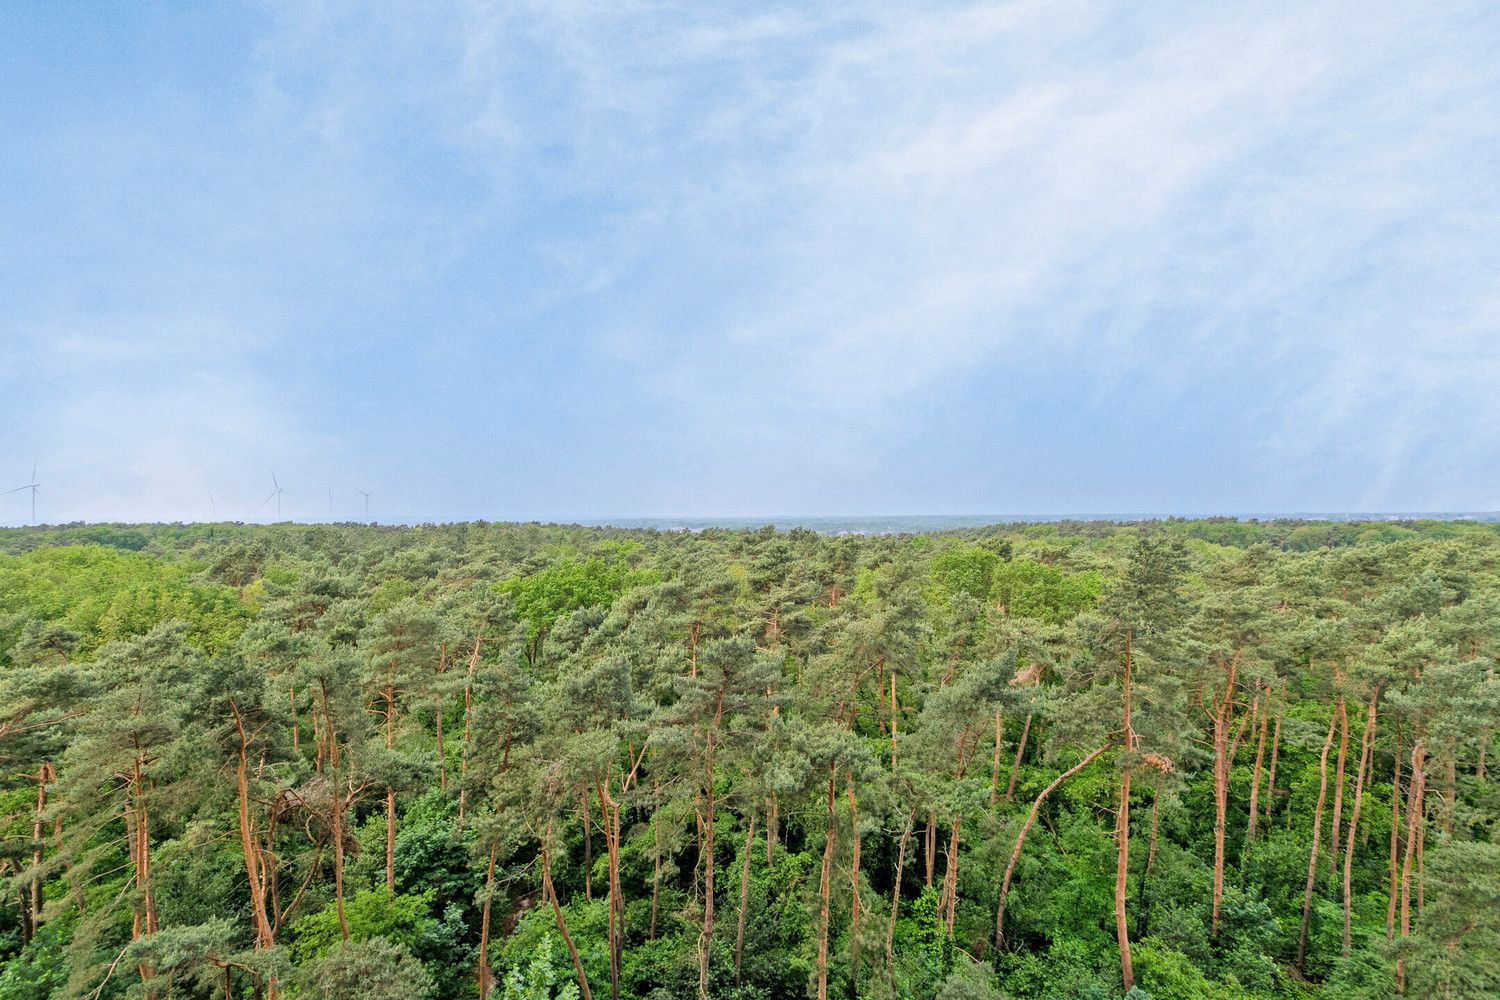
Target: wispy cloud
{"x": 826, "y": 256}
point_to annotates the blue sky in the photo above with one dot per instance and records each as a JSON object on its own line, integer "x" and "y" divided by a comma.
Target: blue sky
{"x": 568, "y": 260}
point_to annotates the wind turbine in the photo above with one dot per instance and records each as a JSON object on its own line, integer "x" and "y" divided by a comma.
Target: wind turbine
{"x": 330, "y": 505}
{"x": 367, "y": 504}
{"x": 32, "y": 486}
{"x": 275, "y": 495}
{"x": 213, "y": 504}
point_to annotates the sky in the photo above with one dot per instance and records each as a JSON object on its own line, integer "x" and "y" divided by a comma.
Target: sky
{"x": 576, "y": 260}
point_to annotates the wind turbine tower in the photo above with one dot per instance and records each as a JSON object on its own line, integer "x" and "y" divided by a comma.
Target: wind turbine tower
{"x": 366, "y": 494}
{"x": 275, "y": 495}
{"x": 32, "y": 486}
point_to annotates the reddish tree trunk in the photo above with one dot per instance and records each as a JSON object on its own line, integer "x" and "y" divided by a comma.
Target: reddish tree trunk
{"x": 1015, "y": 854}
{"x": 562, "y": 925}
{"x": 825, "y": 884}
{"x": 1260, "y": 756}
{"x": 486, "y": 978}
{"x": 890, "y": 933}
{"x": 1366, "y": 753}
{"x": 1275, "y": 754}
{"x": 1414, "y": 821}
{"x": 1338, "y": 785}
{"x": 739, "y": 931}
{"x": 1122, "y": 834}
{"x": 1312, "y": 861}
{"x": 1395, "y": 864}
{"x": 854, "y": 890}
{"x": 1015, "y": 769}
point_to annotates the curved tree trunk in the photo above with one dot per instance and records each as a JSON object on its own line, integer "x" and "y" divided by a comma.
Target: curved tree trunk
{"x": 562, "y": 925}
{"x": 1015, "y": 854}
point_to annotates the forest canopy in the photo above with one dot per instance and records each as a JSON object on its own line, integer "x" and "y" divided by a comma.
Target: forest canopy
{"x": 1165, "y": 760}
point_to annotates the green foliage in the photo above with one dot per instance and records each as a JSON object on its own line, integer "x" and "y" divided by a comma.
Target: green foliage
{"x": 1027, "y": 589}
{"x": 370, "y": 913}
{"x": 205, "y": 711}
{"x": 543, "y": 978}
{"x": 365, "y": 970}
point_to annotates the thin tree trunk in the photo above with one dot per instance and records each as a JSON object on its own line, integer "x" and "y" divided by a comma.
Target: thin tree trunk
{"x": 890, "y": 933}
{"x": 655, "y": 870}
{"x": 773, "y": 811}
{"x": 1015, "y": 854}
{"x": 739, "y": 930}
{"x": 607, "y": 810}
{"x": 950, "y": 876}
{"x": 337, "y": 824}
{"x": 1260, "y": 756}
{"x": 1450, "y": 792}
{"x": 1275, "y": 754}
{"x": 438, "y": 721}
{"x": 463, "y": 766}
{"x": 1414, "y": 821}
{"x": 292, "y": 697}
{"x": 895, "y": 715}
{"x": 1223, "y": 717}
{"x": 586, "y": 818}
{"x": 1338, "y": 785}
{"x": 264, "y": 936}
{"x": 854, "y": 890}
{"x": 995, "y": 768}
{"x": 705, "y": 943}
{"x": 34, "y": 903}
{"x": 1395, "y": 868}
{"x": 1366, "y": 753}
{"x": 390, "y": 793}
{"x": 825, "y": 884}
{"x": 929, "y": 845}
{"x": 1143, "y": 921}
{"x": 1122, "y": 833}
{"x": 1015, "y": 769}
{"x": 1312, "y": 861}
{"x": 562, "y": 925}
{"x": 486, "y": 978}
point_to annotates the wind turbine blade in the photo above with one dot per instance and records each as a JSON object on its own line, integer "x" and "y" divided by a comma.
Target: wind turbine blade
{"x": 17, "y": 489}
{"x": 268, "y": 499}
{"x": 33, "y": 469}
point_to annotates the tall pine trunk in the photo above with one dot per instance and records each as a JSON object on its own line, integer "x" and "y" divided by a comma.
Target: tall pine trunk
{"x": 1366, "y": 753}
{"x": 1317, "y": 832}
{"x": 1122, "y": 834}
{"x": 825, "y": 885}
{"x": 739, "y": 929}
{"x": 1414, "y": 820}
{"x": 1338, "y": 785}
{"x": 1260, "y": 756}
